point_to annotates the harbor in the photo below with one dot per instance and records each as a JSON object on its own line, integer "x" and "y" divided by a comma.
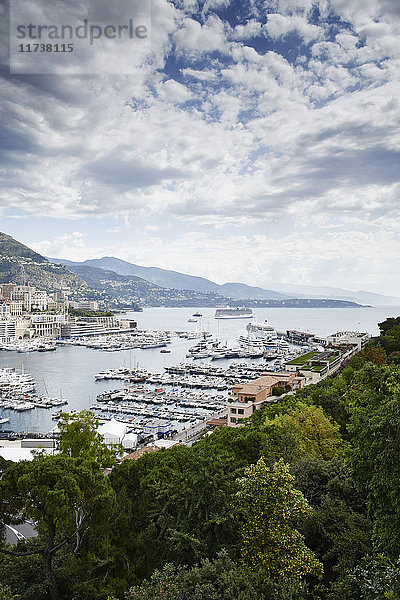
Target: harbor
{"x": 77, "y": 372}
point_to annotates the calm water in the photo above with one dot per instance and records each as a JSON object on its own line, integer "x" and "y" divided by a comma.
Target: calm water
{"x": 69, "y": 372}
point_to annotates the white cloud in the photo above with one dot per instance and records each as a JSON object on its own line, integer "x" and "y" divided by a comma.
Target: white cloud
{"x": 281, "y": 25}
{"x": 217, "y": 135}
{"x": 174, "y": 92}
{"x": 196, "y": 39}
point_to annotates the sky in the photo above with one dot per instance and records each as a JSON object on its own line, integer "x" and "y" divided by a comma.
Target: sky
{"x": 253, "y": 141}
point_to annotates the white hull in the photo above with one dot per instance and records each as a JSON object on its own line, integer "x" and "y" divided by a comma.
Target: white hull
{"x": 235, "y": 317}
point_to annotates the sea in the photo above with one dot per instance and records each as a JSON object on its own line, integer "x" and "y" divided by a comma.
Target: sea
{"x": 69, "y": 372}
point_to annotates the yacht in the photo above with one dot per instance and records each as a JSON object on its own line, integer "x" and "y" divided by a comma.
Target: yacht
{"x": 263, "y": 331}
{"x": 239, "y": 312}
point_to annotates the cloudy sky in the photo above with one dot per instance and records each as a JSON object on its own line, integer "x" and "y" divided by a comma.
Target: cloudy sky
{"x": 252, "y": 140}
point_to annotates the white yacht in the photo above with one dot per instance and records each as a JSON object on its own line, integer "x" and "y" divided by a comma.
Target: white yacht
{"x": 240, "y": 312}
{"x": 262, "y": 331}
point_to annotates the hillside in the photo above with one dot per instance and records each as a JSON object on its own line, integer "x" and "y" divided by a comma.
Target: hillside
{"x": 20, "y": 264}
{"x": 124, "y": 289}
{"x": 239, "y": 291}
{"x": 179, "y": 281}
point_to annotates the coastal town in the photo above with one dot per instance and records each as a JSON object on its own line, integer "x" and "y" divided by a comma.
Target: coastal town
{"x": 185, "y": 401}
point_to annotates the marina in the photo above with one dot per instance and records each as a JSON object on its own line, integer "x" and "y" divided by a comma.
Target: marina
{"x": 70, "y": 371}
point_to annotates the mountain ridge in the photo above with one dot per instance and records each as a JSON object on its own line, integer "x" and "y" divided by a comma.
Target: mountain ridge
{"x": 175, "y": 279}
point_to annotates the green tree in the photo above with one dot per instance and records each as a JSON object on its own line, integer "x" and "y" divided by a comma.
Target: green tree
{"x": 272, "y": 510}
{"x": 175, "y": 506}
{"x": 375, "y": 435}
{"x": 79, "y": 438}
{"x": 304, "y": 431}
{"x": 217, "y": 579}
{"x": 376, "y": 578}
{"x": 66, "y": 498}
{"x": 7, "y": 594}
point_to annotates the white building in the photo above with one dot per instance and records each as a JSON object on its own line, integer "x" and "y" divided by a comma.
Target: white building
{"x": 39, "y": 300}
{"x": 16, "y": 308}
{"x": 47, "y": 325}
{"x": 85, "y": 305}
{"x": 8, "y": 331}
{"x": 349, "y": 337}
{"x": 5, "y": 309}
{"x": 22, "y": 293}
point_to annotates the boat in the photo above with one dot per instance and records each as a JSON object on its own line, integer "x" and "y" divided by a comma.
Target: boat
{"x": 240, "y": 312}
{"x": 165, "y": 351}
{"x": 192, "y": 320}
{"x": 197, "y": 314}
{"x": 262, "y": 331}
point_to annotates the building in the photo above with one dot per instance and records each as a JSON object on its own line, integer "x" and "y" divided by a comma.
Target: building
{"x": 24, "y": 328}
{"x": 47, "y": 325}
{"x": 355, "y": 338}
{"x": 299, "y": 337}
{"x": 127, "y": 324}
{"x": 8, "y": 331}
{"x": 318, "y": 365}
{"x": 85, "y": 305}
{"x": 23, "y": 293}
{"x": 249, "y": 397}
{"x": 7, "y": 289}
{"x": 39, "y": 300}
{"x": 83, "y": 326}
{"x": 113, "y": 432}
{"x": 4, "y": 309}
{"x": 16, "y": 308}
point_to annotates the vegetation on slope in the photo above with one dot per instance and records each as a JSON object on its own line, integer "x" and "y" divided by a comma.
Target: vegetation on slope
{"x": 300, "y": 503}
{"x": 19, "y": 264}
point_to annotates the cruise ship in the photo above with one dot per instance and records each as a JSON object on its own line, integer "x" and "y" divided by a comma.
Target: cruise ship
{"x": 234, "y": 313}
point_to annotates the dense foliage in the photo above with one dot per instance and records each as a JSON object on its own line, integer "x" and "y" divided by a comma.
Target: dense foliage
{"x": 303, "y": 502}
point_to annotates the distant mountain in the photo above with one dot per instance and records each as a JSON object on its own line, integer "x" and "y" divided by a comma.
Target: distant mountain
{"x": 363, "y": 297}
{"x": 124, "y": 288}
{"x": 19, "y": 264}
{"x": 129, "y": 289}
{"x": 242, "y": 291}
{"x": 239, "y": 291}
{"x": 179, "y": 281}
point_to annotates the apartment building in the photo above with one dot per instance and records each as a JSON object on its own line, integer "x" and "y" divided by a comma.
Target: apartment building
{"x": 7, "y": 331}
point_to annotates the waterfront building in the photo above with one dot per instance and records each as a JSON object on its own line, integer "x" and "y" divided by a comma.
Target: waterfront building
{"x": 249, "y": 397}
{"x": 83, "y": 326}
{"x": 47, "y": 325}
{"x": 113, "y": 432}
{"x": 127, "y": 323}
{"x": 24, "y": 327}
{"x": 355, "y": 338}
{"x": 317, "y": 365}
{"x": 299, "y": 337}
